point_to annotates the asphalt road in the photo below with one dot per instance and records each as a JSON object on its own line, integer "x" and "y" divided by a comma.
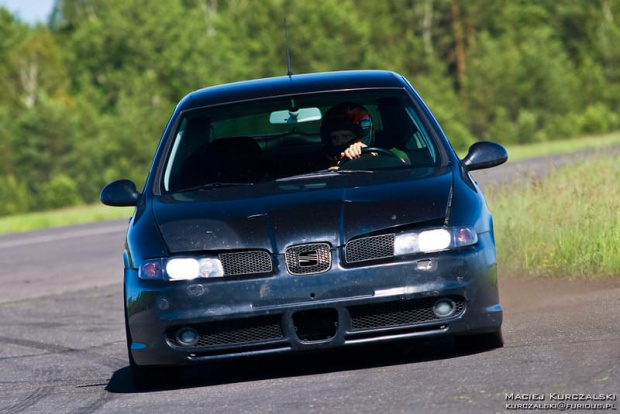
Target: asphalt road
{"x": 62, "y": 344}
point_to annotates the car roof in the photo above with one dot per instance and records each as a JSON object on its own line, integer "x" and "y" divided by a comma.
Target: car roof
{"x": 290, "y": 85}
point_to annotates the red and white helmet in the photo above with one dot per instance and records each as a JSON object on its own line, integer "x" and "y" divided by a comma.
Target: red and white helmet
{"x": 348, "y": 116}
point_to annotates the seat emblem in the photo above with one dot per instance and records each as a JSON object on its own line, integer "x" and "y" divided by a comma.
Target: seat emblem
{"x": 307, "y": 259}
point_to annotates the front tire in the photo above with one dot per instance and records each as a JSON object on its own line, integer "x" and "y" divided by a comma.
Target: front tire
{"x": 480, "y": 342}
{"x": 145, "y": 378}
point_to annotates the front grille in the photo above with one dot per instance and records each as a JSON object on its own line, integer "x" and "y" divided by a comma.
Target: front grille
{"x": 234, "y": 332}
{"x": 308, "y": 258}
{"x": 369, "y": 248}
{"x": 386, "y": 315}
{"x": 246, "y": 263}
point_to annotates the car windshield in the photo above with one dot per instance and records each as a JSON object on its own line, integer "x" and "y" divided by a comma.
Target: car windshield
{"x": 278, "y": 138}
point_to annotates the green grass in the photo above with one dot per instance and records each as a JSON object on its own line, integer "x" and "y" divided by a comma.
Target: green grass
{"x": 519, "y": 152}
{"x": 64, "y": 217}
{"x": 566, "y": 226}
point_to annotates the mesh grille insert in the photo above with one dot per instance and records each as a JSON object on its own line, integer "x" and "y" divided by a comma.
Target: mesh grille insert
{"x": 246, "y": 263}
{"x": 385, "y": 315}
{"x": 369, "y": 248}
{"x": 232, "y": 332}
{"x": 308, "y": 258}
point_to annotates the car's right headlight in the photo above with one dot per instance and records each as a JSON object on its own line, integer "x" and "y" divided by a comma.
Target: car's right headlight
{"x": 180, "y": 268}
{"x": 434, "y": 240}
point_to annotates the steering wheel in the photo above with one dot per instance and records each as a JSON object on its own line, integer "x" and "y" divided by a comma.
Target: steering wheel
{"x": 380, "y": 151}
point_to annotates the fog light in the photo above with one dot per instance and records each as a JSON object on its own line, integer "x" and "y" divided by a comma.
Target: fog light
{"x": 163, "y": 304}
{"x": 444, "y": 308}
{"x": 187, "y": 336}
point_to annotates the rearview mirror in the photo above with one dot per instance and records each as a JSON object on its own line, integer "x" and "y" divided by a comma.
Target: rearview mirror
{"x": 485, "y": 154}
{"x": 295, "y": 116}
{"x": 121, "y": 193}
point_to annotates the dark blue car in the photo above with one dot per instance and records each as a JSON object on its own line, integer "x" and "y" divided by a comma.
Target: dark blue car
{"x": 255, "y": 234}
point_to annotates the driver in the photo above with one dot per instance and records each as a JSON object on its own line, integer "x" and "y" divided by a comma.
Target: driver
{"x": 345, "y": 130}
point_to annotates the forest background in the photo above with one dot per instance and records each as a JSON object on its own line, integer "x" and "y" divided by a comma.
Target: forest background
{"x": 86, "y": 96}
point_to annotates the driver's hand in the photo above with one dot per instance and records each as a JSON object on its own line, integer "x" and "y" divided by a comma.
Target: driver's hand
{"x": 354, "y": 151}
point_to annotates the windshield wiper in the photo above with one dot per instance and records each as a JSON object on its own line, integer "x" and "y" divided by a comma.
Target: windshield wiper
{"x": 354, "y": 171}
{"x": 208, "y": 186}
{"x": 322, "y": 173}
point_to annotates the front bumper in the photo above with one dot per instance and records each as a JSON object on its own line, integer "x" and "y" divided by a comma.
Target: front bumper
{"x": 285, "y": 313}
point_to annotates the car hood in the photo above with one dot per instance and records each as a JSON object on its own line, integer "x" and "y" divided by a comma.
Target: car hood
{"x": 275, "y": 215}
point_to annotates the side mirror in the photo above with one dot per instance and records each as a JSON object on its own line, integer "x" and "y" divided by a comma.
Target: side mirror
{"x": 485, "y": 154}
{"x": 121, "y": 193}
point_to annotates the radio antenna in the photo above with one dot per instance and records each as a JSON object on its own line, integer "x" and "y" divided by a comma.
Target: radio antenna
{"x": 288, "y": 52}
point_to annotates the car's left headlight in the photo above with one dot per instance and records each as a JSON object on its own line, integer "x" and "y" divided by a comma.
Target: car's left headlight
{"x": 434, "y": 240}
{"x": 180, "y": 268}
